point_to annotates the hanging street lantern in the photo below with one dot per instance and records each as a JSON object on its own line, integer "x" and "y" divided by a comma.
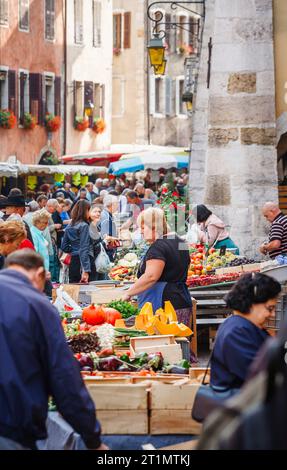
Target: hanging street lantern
{"x": 89, "y": 109}
{"x": 156, "y": 51}
{"x": 190, "y": 71}
{"x": 160, "y": 69}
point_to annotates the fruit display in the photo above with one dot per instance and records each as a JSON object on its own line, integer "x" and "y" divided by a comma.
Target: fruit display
{"x": 97, "y": 315}
{"x": 238, "y": 261}
{"x": 197, "y": 281}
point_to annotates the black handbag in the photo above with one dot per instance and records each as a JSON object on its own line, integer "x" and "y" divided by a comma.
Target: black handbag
{"x": 209, "y": 397}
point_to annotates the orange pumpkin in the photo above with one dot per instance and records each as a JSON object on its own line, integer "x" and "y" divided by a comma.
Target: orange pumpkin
{"x": 94, "y": 315}
{"x": 112, "y": 315}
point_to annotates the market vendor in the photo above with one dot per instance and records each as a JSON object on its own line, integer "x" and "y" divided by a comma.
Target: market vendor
{"x": 212, "y": 229}
{"x": 163, "y": 269}
{"x": 277, "y": 243}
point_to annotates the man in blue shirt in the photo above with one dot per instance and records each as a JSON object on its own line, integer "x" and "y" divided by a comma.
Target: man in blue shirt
{"x": 35, "y": 361}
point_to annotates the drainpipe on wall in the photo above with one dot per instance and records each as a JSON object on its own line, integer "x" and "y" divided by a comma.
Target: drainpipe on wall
{"x": 147, "y": 34}
{"x": 65, "y": 76}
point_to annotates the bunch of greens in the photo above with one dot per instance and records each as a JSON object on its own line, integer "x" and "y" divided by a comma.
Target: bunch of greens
{"x": 125, "y": 308}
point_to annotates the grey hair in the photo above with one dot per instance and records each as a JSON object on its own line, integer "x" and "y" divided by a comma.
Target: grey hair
{"x": 33, "y": 206}
{"x": 40, "y": 215}
{"x": 52, "y": 202}
{"x": 109, "y": 200}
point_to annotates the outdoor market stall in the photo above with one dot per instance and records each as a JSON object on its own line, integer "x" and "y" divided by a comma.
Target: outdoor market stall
{"x": 150, "y": 160}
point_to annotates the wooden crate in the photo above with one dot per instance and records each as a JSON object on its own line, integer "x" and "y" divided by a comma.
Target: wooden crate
{"x": 171, "y": 407}
{"x": 165, "y": 344}
{"x": 121, "y": 408}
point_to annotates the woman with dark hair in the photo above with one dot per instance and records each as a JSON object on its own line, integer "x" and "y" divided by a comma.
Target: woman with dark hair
{"x": 78, "y": 243}
{"x": 213, "y": 231}
{"x": 253, "y": 300}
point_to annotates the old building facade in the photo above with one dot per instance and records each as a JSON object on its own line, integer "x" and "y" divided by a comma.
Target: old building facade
{"x": 89, "y": 73}
{"x": 31, "y": 86}
{"x": 234, "y": 158}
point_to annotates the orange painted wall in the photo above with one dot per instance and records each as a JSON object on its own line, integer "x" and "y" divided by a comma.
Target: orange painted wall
{"x": 21, "y": 50}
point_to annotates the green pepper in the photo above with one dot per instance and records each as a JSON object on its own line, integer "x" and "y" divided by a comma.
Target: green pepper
{"x": 125, "y": 358}
{"x": 184, "y": 363}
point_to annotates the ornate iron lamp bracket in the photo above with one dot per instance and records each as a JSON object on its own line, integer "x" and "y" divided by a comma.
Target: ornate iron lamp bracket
{"x": 185, "y": 5}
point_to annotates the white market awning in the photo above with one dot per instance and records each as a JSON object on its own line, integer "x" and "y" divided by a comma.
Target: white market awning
{"x": 8, "y": 170}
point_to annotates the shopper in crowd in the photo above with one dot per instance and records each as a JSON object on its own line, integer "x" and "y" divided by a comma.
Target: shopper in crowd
{"x": 140, "y": 190}
{"x": 40, "y": 223}
{"x": 52, "y": 206}
{"x": 253, "y": 300}
{"x": 3, "y": 200}
{"x": 95, "y": 234}
{"x": 277, "y": 243}
{"x": 98, "y": 186}
{"x": 57, "y": 219}
{"x": 150, "y": 195}
{"x": 15, "y": 192}
{"x": 78, "y": 243}
{"x": 15, "y": 210}
{"x": 163, "y": 270}
{"x": 42, "y": 201}
{"x": 33, "y": 206}
{"x": 31, "y": 196}
{"x": 60, "y": 191}
{"x": 13, "y": 236}
{"x": 103, "y": 193}
{"x": 106, "y": 184}
{"x": 66, "y": 213}
{"x": 36, "y": 362}
{"x": 136, "y": 205}
{"x": 70, "y": 193}
{"x": 82, "y": 196}
{"x": 212, "y": 229}
{"x": 46, "y": 190}
{"x": 108, "y": 226}
{"x": 91, "y": 195}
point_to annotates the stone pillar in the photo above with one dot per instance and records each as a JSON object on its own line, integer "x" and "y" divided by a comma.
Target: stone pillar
{"x": 234, "y": 159}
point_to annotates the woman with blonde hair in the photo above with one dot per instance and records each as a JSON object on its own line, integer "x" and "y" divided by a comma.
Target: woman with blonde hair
{"x": 13, "y": 236}
{"x": 163, "y": 270}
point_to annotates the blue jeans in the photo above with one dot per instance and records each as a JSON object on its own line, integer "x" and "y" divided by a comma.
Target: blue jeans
{"x": 8, "y": 444}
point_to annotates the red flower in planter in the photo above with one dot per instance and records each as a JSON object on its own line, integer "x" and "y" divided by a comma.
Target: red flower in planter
{"x": 175, "y": 194}
{"x": 7, "y": 119}
{"x": 53, "y": 123}
{"x": 81, "y": 124}
{"x": 99, "y": 125}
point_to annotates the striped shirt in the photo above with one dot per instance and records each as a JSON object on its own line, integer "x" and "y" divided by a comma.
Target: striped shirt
{"x": 278, "y": 231}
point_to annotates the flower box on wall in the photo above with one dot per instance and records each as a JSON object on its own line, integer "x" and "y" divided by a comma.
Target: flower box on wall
{"x": 99, "y": 125}
{"x": 52, "y": 122}
{"x": 7, "y": 119}
{"x": 81, "y": 123}
{"x": 29, "y": 121}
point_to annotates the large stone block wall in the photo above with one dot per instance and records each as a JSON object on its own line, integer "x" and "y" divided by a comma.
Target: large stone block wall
{"x": 234, "y": 159}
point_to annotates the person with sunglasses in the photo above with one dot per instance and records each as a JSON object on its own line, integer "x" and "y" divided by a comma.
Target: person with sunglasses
{"x": 253, "y": 300}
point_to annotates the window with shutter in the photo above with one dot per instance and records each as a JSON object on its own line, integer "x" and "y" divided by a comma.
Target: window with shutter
{"x": 24, "y": 98}
{"x": 103, "y": 101}
{"x": 89, "y": 99}
{"x": 181, "y": 33}
{"x": 4, "y": 12}
{"x": 159, "y": 96}
{"x": 167, "y": 29}
{"x": 97, "y": 19}
{"x": 57, "y": 96}
{"x": 24, "y": 15}
{"x": 78, "y": 99}
{"x": 12, "y": 90}
{"x": 50, "y": 20}
{"x": 78, "y": 14}
{"x": 168, "y": 96}
{"x": 127, "y": 30}
{"x": 36, "y": 93}
{"x": 180, "y": 106}
{"x": 3, "y": 88}
{"x": 117, "y": 31}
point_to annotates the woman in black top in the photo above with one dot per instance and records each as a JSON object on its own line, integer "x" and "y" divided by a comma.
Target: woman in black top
{"x": 163, "y": 270}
